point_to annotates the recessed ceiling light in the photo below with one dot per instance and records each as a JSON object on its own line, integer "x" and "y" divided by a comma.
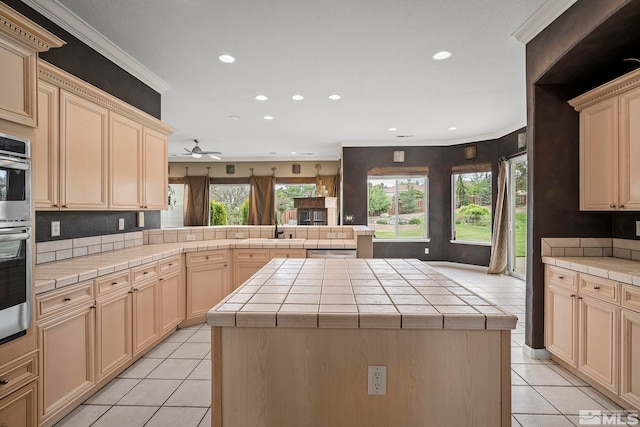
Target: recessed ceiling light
{"x": 293, "y": 152}
{"x": 441, "y": 55}
{"x": 268, "y": 117}
{"x": 227, "y": 59}
{"x": 334, "y": 97}
{"x": 453, "y": 128}
{"x": 297, "y": 97}
{"x": 392, "y": 129}
{"x": 272, "y": 152}
{"x": 261, "y": 97}
{"x": 234, "y": 117}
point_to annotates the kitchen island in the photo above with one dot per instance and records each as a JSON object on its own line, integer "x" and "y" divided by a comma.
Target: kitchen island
{"x": 292, "y": 347}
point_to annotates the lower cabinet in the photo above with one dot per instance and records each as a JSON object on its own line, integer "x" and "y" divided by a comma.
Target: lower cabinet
{"x": 247, "y": 262}
{"x": 19, "y": 408}
{"x": 172, "y": 300}
{"x": 66, "y": 341}
{"x": 207, "y": 281}
{"x": 113, "y": 331}
{"x": 146, "y": 324}
{"x": 561, "y": 323}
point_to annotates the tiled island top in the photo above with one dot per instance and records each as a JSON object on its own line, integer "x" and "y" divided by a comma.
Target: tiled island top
{"x": 356, "y": 293}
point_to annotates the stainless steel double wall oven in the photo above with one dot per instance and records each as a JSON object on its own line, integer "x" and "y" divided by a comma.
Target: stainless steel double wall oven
{"x": 15, "y": 237}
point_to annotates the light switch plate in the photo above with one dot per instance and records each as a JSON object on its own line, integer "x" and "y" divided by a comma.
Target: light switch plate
{"x": 140, "y": 219}
{"x": 637, "y": 228}
{"x": 55, "y": 228}
{"x": 120, "y": 223}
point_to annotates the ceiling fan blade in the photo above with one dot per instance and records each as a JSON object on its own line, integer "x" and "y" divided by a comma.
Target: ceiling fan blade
{"x": 187, "y": 150}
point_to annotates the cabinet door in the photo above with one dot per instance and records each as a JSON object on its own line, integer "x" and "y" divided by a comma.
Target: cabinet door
{"x": 125, "y": 163}
{"x": 45, "y": 149}
{"x": 155, "y": 170}
{"x": 242, "y": 271}
{"x": 630, "y": 357}
{"x": 206, "y": 286}
{"x": 629, "y": 146}
{"x": 146, "y": 325}
{"x": 66, "y": 344}
{"x": 599, "y": 156}
{"x": 19, "y": 409}
{"x": 113, "y": 332}
{"x": 599, "y": 334}
{"x": 560, "y": 323}
{"x": 83, "y": 153}
{"x": 19, "y": 73}
{"x": 170, "y": 297}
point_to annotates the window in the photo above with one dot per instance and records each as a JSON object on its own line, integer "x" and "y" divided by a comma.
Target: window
{"x": 173, "y": 216}
{"x": 235, "y": 200}
{"x": 471, "y": 206}
{"x": 398, "y": 206}
{"x": 285, "y": 212}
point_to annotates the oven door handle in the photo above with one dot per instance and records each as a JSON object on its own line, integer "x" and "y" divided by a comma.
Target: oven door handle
{"x": 14, "y": 236}
{"x": 12, "y": 164}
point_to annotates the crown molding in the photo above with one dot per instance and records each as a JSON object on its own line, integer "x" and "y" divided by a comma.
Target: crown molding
{"x": 608, "y": 90}
{"x": 26, "y": 31}
{"x": 72, "y": 23}
{"x": 541, "y": 18}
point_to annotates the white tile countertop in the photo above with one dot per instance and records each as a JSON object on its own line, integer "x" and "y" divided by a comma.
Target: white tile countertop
{"x": 618, "y": 269}
{"x": 356, "y": 293}
{"x": 58, "y": 274}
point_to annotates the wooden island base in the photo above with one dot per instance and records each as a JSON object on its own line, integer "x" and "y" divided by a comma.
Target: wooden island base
{"x": 292, "y": 377}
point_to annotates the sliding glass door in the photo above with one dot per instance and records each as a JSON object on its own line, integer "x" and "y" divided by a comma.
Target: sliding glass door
{"x": 518, "y": 217}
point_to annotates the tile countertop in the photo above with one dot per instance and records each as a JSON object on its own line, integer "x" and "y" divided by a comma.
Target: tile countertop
{"x": 618, "y": 269}
{"x": 356, "y": 293}
{"x": 56, "y": 275}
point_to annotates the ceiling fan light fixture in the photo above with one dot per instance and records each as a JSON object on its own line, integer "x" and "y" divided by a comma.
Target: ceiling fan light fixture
{"x": 196, "y": 155}
{"x": 443, "y": 54}
{"x": 227, "y": 59}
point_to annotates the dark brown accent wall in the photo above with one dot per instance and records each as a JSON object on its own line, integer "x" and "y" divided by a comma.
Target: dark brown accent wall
{"x": 358, "y": 160}
{"x": 582, "y": 49}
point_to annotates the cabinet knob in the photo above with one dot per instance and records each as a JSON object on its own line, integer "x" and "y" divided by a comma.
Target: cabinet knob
{"x": 573, "y": 295}
{"x": 55, "y": 205}
{"x": 145, "y": 273}
{"x": 93, "y": 306}
{"x": 579, "y": 297}
{"x": 130, "y": 292}
{"x": 596, "y": 287}
{"x": 135, "y": 289}
{"x": 114, "y": 283}
{"x": 64, "y": 206}
{"x": 4, "y": 381}
{"x": 207, "y": 257}
{"x": 250, "y": 255}
{"x": 67, "y": 298}
{"x": 170, "y": 265}
{"x": 561, "y": 277}
{"x": 622, "y": 206}
{"x": 612, "y": 206}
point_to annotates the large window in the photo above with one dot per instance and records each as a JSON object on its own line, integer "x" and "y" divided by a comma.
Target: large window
{"x": 471, "y": 200}
{"x": 173, "y": 216}
{"x": 398, "y": 206}
{"x": 285, "y": 193}
{"x": 234, "y": 199}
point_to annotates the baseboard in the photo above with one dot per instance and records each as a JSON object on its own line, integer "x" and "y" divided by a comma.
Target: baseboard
{"x": 536, "y": 353}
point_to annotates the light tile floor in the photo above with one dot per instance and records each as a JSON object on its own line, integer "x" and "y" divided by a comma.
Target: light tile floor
{"x": 170, "y": 386}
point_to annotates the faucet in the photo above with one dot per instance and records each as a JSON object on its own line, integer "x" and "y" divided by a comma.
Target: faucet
{"x": 277, "y": 233}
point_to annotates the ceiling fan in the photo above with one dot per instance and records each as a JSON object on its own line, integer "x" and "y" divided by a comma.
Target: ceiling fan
{"x": 197, "y": 152}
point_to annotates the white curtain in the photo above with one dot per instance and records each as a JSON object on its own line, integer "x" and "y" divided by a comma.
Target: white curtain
{"x": 500, "y": 237}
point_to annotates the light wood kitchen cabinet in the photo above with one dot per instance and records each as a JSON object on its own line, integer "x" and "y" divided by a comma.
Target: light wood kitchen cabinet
{"x": 146, "y": 321}
{"x": 83, "y": 154}
{"x": 19, "y": 409}
{"x": 172, "y": 300}
{"x": 155, "y": 170}
{"x": 630, "y": 345}
{"x": 287, "y": 253}
{"x": 561, "y": 325}
{"x": 66, "y": 339}
{"x": 207, "y": 281}
{"x": 45, "y": 149}
{"x": 125, "y": 162}
{"x": 610, "y": 145}
{"x": 247, "y": 262}
{"x": 114, "y": 323}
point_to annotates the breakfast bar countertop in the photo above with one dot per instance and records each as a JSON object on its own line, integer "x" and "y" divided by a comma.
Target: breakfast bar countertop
{"x": 356, "y": 293}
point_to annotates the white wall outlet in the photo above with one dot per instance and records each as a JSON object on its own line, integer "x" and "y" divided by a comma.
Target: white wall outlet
{"x": 637, "y": 228}
{"x": 120, "y": 223}
{"x": 239, "y": 235}
{"x": 191, "y": 237}
{"x": 55, "y": 228}
{"x": 342, "y": 235}
{"x": 140, "y": 219}
{"x": 331, "y": 235}
{"x": 377, "y": 383}
{"x": 426, "y": 251}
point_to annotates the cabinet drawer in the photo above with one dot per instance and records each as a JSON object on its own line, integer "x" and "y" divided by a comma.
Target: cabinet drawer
{"x": 112, "y": 282}
{"x": 598, "y": 287}
{"x": 561, "y": 277}
{"x": 54, "y": 302}
{"x": 288, "y": 253}
{"x": 17, "y": 373}
{"x": 170, "y": 264}
{"x": 144, "y": 272}
{"x": 631, "y": 297}
{"x": 206, "y": 257}
{"x": 258, "y": 255}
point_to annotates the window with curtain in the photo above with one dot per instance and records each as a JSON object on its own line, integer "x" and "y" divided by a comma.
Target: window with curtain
{"x": 398, "y": 207}
{"x": 173, "y": 216}
{"x": 233, "y": 198}
{"x": 285, "y": 193}
{"x": 471, "y": 199}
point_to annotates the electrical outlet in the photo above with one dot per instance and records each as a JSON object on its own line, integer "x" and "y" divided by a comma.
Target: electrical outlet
{"x": 637, "y": 228}
{"x": 426, "y": 251}
{"x": 140, "y": 219}
{"x": 55, "y": 228}
{"x": 377, "y": 383}
{"x": 191, "y": 237}
{"x": 120, "y": 223}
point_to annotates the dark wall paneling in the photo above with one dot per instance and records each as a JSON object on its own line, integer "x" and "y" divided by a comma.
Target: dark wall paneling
{"x": 358, "y": 160}
{"x": 80, "y": 60}
{"x": 577, "y": 52}
{"x": 77, "y": 224}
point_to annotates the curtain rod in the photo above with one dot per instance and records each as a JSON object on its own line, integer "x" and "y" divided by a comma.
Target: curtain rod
{"x": 503, "y": 158}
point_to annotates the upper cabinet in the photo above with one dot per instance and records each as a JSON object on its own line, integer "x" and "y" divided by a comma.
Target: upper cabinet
{"x": 20, "y": 42}
{"x": 610, "y": 145}
{"x": 95, "y": 152}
